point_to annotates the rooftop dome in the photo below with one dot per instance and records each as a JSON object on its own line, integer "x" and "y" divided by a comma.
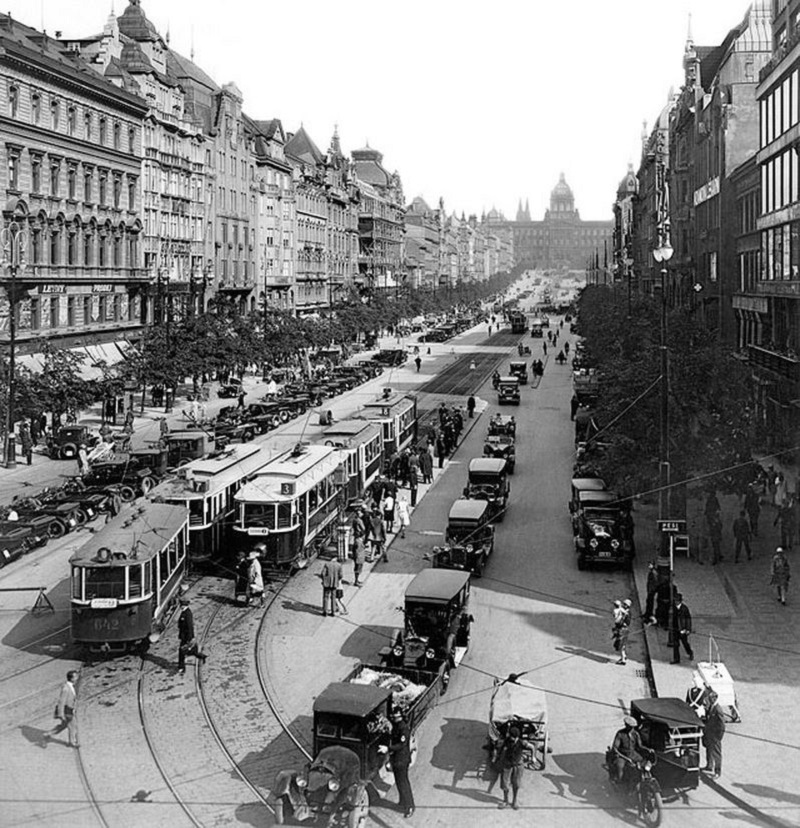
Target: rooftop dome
{"x": 562, "y": 190}
{"x": 629, "y": 184}
{"x": 133, "y": 22}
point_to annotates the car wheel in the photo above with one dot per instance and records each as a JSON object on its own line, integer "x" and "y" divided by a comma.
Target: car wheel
{"x": 147, "y": 484}
{"x": 247, "y": 436}
{"x": 81, "y": 518}
{"x": 127, "y": 494}
{"x": 284, "y": 416}
{"x": 56, "y": 529}
{"x": 276, "y": 421}
{"x": 68, "y": 451}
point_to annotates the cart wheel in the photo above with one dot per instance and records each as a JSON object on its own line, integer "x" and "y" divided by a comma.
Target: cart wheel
{"x": 81, "y": 518}
{"x": 357, "y": 818}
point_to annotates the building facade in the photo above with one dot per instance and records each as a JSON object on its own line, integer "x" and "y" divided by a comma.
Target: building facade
{"x": 71, "y": 169}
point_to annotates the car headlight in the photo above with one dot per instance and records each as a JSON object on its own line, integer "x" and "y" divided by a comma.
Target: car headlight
{"x": 302, "y": 782}
{"x": 648, "y": 766}
{"x": 333, "y": 785}
{"x": 593, "y": 543}
{"x": 397, "y": 651}
{"x": 430, "y": 654}
{"x": 615, "y": 544}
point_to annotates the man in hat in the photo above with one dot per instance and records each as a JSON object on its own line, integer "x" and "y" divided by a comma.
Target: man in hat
{"x": 627, "y": 746}
{"x": 713, "y": 731}
{"x": 331, "y": 581}
{"x": 255, "y": 577}
{"x": 66, "y": 710}
{"x": 621, "y": 630}
{"x": 188, "y": 643}
{"x": 681, "y": 629}
{"x": 510, "y": 765}
{"x": 399, "y": 750}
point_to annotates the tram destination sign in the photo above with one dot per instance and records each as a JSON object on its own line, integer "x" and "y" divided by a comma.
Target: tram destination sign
{"x": 672, "y": 526}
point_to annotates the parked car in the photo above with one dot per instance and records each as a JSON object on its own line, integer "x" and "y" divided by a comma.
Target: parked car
{"x": 134, "y": 476}
{"x": 68, "y": 439}
{"x": 393, "y": 356}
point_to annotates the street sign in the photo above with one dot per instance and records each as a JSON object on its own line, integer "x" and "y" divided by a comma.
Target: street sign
{"x": 672, "y": 525}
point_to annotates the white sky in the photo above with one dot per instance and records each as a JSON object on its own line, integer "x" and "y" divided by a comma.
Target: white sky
{"x": 482, "y": 103}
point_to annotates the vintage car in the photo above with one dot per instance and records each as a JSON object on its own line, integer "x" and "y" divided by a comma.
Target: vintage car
{"x": 351, "y": 732}
{"x": 536, "y": 328}
{"x": 487, "y": 479}
{"x": 67, "y": 440}
{"x": 603, "y": 529}
{"x": 583, "y": 484}
{"x": 501, "y": 446}
{"x": 16, "y": 540}
{"x": 469, "y": 540}
{"x": 671, "y": 728}
{"x": 519, "y": 369}
{"x": 508, "y": 390}
{"x": 187, "y": 445}
{"x": 502, "y": 424}
{"x": 391, "y": 356}
{"x": 230, "y": 389}
{"x": 437, "y": 624}
{"x": 134, "y": 476}
{"x": 268, "y": 415}
{"x": 586, "y": 385}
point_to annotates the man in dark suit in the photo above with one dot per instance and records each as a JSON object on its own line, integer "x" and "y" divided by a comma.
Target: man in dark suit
{"x": 681, "y": 629}
{"x": 400, "y": 755}
{"x": 188, "y": 643}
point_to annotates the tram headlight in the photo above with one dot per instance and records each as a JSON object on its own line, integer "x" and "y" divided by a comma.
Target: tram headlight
{"x": 333, "y": 785}
{"x": 302, "y": 782}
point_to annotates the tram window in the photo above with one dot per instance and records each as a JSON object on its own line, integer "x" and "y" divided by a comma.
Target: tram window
{"x": 260, "y": 514}
{"x": 284, "y": 515}
{"x": 313, "y": 499}
{"x": 196, "y": 510}
{"x": 164, "y": 571}
{"x": 134, "y": 582}
{"x": 148, "y": 577}
{"x": 77, "y": 582}
{"x": 173, "y": 555}
{"x": 105, "y": 582}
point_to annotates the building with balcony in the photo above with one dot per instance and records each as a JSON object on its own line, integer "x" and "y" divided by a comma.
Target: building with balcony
{"x": 70, "y": 175}
{"x": 380, "y": 221}
{"x": 132, "y": 54}
{"x": 622, "y": 239}
{"x": 775, "y": 360}
{"x": 423, "y": 231}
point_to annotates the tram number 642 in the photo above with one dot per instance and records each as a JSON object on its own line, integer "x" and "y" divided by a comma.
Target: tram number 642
{"x": 106, "y": 624}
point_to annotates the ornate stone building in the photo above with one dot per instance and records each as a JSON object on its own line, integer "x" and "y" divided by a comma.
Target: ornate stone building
{"x": 70, "y": 174}
{"x": 563, "y": 239}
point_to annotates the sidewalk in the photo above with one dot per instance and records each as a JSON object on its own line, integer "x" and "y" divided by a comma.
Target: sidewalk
{"x": 758, "y": 643}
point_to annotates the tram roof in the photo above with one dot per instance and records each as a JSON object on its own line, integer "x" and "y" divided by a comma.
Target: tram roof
{"x": 304, "y": 468}
{"x": 398, "y": 402}
{"x": 352, "y": 432}
{"x": 138, "y": 533}
{"x": 218, "y": 470}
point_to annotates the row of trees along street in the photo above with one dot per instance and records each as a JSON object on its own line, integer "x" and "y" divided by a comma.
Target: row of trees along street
{"x": 710, "y": 428}
{"x": 222, "y": 339}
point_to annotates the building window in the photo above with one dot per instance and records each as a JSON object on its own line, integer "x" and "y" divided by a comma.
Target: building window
{"x": 131, "y": 193}
{"x": 103, "y": 127}
{"x": 55, "y": 113}
{"x": 55, "y": 239}
{"x": 36, "y": 245}
{"x": 72, "y": 175}
{"x": 117, "y": 132}
{"x": 87, "y": 184}
{"x": 101, "y": 249}
{"x": 117, "y": 250}
{"x": 13, "y": 168}
{"x": 55, "y": 308}
{"x": 71, "y": 311}
{"x": 72, "y": 247}
{"x": 102, "y": 188}
{"x": 36, "y": 313}
{"x": 117, "y": 189}
{"x": 132, "y": 140}
{"x": 102, "y": 308}
{"x": 87, "y": 126}
{"x": 36, "y": 173}
{"x": 87, "y": 310}
{"x": 13, "y": 101}
{"x": 55, "y": 175}
{"x": 87, "y": 247}
{"x": 36, "y": 107}
{"x": 71, "y": 118}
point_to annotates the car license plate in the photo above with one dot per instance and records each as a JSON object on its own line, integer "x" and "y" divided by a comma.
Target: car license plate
{"x": 604, "y": 553}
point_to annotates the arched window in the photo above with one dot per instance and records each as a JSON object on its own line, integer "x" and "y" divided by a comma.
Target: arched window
{"x": 71, "y": 120}
{"x": 132, "y": 139}
{"x": 118, "y": 248}
{"x": 36, "y": 107}
{"x": 55, "y": 244}
{"x": 88, "y": 240}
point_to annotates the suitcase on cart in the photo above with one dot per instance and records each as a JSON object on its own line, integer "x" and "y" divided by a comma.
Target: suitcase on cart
{"x": 715, "y": 676}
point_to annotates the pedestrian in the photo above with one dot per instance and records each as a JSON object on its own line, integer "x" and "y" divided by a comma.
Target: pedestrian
{"x": 653, "y": 582}
{"x": 621, "y": 629}
{"x": 240, "y": 404}
{"x": 780, "y": 574}
{"x": 403, "y": 515}
{"x": 696, "y": 695}
{"x": 359, "y": 556}
{"x": 36, "y": 432}
{"x": 83, "y": 460}
{"x": 787, "y": 523}
{"x": 67, "y": 710}
{"x": 255, "y": 578}
{"x": 338, "y": 596}
{"x": 490, "y": 330}
{"x": 442, "y": 414}
{"x": 781, "y": 490}
{"x": 418, "y": 362}
{"x": 715, "y": 536}
{"x": 388, "y": 511}
{"x": 511, "y": 764}
{"x": 163, "y": 427}
{"x": 26, "y": 442}
{"x": 741, "y": 533}
{"x": 241, "y": 582}
{"x": 413, "y": 484}
{"x": 113, "y": 504}
{"x": 128, "y": 426}
{"x": 377, "y": 536}
{"x": 471, "y": 406}
{"x": 426, "y": 465}
{"x": 399, "y": 750}
{"x": 573, "y": 407}
{"x": 187, "y": 642}
{"x": 681, "y": 629}
{"x": 752, "y": 505}
{"x": 711, "y": 510}
{"x": 544, "y": 348}
{"x": 331, "y": 581}
{"x": 713, "y": 731}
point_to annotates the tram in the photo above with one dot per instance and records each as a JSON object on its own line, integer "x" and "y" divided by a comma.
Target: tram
{"x": 397, "y": 414}
{"x": 291, "y": 505}
{"x": 207, "y": 487}
{"x": 125, "y": 579}
{"x": 361, "y": 444}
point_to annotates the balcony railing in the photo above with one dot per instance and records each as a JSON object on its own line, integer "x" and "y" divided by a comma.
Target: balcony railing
{"x": 787, "y": 367}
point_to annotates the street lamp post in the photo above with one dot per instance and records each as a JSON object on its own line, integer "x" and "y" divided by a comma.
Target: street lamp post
{"x": 14, "y": 240}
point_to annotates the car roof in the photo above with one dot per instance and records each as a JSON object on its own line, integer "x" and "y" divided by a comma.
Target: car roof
{"x": 516, "y": 362}
{"x": 466, "y": 509}
{"x": 597, "y": 497}
{"x": 588, "y": 484}
{"x": 436, "y": 585}
{"x": 350, "y": 699}
{"x": 487, "y": 464}
{"x": 509, "y": 378}
{"x": 672, "y": 711}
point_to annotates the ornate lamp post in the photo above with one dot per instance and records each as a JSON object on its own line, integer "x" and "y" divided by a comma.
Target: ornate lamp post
{"x": 14, "y": 241}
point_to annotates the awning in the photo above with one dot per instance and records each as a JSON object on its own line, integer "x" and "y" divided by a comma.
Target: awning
{"x": 108, "y": 353}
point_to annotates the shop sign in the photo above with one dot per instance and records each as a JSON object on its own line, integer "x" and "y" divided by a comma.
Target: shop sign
{"x": 102, "y": 288}
{"x": 52, "y": 288}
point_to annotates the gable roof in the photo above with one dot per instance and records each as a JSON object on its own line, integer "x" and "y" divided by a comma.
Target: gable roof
{"x": 301, "y": 147}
